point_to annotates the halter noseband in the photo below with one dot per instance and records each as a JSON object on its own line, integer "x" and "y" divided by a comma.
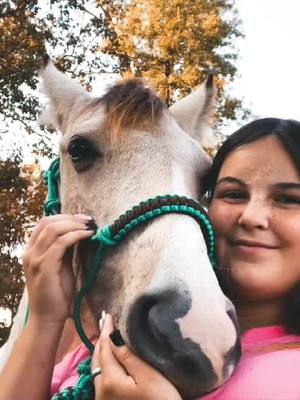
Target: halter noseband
{"x": 111, "y": 235}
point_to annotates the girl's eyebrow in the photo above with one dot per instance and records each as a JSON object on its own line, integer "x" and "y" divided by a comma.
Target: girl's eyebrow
{"x": 230, "y": 179}
{"x": 287, "y": 185}
{"x": 279, "y": 185}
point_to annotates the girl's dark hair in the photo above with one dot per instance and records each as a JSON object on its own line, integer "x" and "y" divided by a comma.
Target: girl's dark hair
{"x": 288, "y": 132}
{"x": 292, "y": 310}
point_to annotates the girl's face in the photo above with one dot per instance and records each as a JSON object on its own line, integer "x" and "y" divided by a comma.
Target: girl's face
{"x": 255, "y": 213}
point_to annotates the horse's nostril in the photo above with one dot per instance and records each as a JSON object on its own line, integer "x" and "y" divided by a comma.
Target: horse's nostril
{"x": 156, "y": 337}
{"x": 149, "y": 321}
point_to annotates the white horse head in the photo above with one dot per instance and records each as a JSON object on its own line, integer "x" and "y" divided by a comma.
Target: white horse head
{"x": 159, "y": 284}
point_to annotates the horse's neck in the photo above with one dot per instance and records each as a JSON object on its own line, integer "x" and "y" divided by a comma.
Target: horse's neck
{"x": 70, "y": 338}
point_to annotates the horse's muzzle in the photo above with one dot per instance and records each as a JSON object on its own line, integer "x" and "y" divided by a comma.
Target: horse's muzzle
{"x": 155, "y": 336}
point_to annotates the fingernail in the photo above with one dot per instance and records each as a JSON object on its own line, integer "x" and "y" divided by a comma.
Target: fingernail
{"x": 84, "y": 216}
{"x": 91, "y": 226}
{"x": 116, "y": 338}
{"x": 102, "y": 320}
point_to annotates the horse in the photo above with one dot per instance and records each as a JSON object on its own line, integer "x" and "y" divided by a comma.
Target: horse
{"x": 159, "y": 284}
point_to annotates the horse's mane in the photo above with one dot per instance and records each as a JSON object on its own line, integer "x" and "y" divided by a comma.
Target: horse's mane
{"x": 130, "y": 104}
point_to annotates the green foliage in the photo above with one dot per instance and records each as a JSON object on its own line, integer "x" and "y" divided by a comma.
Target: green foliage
{"x": 66, "y": 29}
{"x": 11, "y": 288}
{"x": 21, "y": 196}
{"x": 175, "y": 44}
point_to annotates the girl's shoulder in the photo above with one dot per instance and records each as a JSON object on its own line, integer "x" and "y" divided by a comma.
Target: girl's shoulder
{"x": 269, "y": 368}
{"x": 269, "y": 336}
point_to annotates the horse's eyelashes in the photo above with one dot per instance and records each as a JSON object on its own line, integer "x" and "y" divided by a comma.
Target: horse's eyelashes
{"x": 82, "y": 153}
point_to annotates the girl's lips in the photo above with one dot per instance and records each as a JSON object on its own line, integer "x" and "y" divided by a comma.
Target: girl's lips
{"x": 252, "y": 243}
{"x": 247, "y": 248}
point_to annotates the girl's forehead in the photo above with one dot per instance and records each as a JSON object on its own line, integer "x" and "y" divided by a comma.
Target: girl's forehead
{"x": 263, "y": 159}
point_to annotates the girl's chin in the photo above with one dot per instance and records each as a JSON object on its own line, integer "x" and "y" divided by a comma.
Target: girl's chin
{"x": 246, "y": 278}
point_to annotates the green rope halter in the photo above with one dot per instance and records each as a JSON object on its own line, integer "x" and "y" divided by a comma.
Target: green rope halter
{"x": 110, "y": 236}
{"x": 108, "y": 239}
{"x": 84, "y": 388}
{"x": 51, "y": 178}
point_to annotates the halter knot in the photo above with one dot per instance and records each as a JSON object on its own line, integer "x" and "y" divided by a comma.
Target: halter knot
{"x": 104, "y": 235}
{"x": 83, "y": 390}
{"x": 84, "y": 367}
{"x": 52, "y": 207}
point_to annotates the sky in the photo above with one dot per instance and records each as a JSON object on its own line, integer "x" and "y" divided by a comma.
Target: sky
{"x": 269, "y": 64}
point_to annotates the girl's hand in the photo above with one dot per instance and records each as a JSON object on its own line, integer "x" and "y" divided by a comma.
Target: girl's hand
{"x": 125, "y": 376}
{"x": 48, "y": 266}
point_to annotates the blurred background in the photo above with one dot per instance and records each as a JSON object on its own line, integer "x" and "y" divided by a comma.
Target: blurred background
{"x": 251, "y": 46}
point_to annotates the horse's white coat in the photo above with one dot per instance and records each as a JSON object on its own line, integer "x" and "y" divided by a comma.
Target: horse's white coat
{"x": 171, "y": 252}
{"x": 190, "y": 325}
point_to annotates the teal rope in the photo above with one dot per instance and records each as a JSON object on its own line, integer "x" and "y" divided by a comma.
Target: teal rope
{"x": 171, "y": 209}
{"x": 84, "y": 387}
{"x": 51, "y": 176}
{"x": 52, "y": 204}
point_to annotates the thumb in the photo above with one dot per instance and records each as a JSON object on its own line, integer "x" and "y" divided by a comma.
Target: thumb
{"x": 147, "y": 379}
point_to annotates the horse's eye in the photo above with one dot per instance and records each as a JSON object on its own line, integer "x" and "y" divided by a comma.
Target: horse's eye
{"x": 82, "y": 153}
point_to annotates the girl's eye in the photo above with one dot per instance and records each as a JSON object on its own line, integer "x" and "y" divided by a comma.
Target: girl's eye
{"x": 288, "y": 200}
{"x": 234, "y": 195}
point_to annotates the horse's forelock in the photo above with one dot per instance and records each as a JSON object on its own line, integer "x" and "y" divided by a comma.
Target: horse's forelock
{"x": 130, "y": 104}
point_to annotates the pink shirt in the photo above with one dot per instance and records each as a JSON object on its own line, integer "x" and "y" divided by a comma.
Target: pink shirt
{"x": 264, "y": 374}
{"x": 65, "y": 372}
{"x": 260, "y": 375}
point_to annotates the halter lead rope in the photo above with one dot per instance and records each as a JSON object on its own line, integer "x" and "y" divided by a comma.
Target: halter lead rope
{"x": 110, "y": 236}
{"x": 52, "y": 205}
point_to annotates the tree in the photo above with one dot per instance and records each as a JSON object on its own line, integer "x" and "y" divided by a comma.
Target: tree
{"x": 172, "y": 43}
{"x": 68, "y": 30}
{"x": 21, "y": 196}
{"x": 175, "y": 44}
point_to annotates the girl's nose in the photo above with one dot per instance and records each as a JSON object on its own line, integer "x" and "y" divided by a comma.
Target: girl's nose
{"x": 255, "y": 214}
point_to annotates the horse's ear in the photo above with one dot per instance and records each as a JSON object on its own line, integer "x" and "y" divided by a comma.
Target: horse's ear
{"x": 61, "y": 92}
{"x": 194, "y": 112}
